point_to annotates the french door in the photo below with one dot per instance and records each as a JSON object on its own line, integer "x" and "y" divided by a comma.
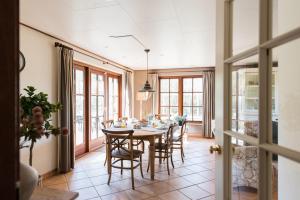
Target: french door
{"x": 97, "y": 110}
{"x": 97, "y": 97}
{"x": 257, "y": 97}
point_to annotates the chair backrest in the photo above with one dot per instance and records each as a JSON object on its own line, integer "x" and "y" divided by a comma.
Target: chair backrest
{"x": 117, "y": 140}
{"x": 169, "y": 135}
{"x": 107, "y": 124}
{"x": 183, "y": 128}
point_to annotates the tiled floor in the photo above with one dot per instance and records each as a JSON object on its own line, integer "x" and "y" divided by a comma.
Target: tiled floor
{"x": 193, "y": 179}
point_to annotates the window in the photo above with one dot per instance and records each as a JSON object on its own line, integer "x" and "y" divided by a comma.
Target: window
{"x": 97, "y": 104}
{"x": 193, "y": 98}
{"x": 113, "y": 107}
{"x": 169, "y": 97}
{"x": 79, "y": 106}
{"x": 182, "y": 96}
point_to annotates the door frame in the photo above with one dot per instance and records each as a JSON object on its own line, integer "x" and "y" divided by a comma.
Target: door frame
{"x": 9, "y": 85}
{"x": 223, "y": 75}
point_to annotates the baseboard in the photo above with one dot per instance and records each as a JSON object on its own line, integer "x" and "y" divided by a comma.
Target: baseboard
{"x": 49, "y": 174}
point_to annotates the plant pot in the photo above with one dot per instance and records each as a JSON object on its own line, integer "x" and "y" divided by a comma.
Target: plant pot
{"x": 28, "y": 181}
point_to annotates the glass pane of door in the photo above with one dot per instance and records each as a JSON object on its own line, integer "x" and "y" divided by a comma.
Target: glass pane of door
{"x": 245, "y": 96}
{"x": 245, "y": 171}
{"x": 96, "y": 105}
{"x": 79, "y": 107}
{"x": 113, "y": 98}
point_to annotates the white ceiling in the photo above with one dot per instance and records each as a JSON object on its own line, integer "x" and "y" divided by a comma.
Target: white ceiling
{"x": 180, "y": 33}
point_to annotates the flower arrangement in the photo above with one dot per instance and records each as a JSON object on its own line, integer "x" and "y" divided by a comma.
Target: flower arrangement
{"x": 180, "y": 119}
{"x": 35, "y": 118}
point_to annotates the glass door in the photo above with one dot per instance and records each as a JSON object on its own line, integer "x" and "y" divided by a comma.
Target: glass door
{"x": 97, "y": 112}
{"x": 257, "y": 94}
{"x": 79, "y": 111}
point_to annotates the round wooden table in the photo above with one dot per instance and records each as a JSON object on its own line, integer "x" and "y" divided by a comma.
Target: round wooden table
{"x": 149, "y": 135}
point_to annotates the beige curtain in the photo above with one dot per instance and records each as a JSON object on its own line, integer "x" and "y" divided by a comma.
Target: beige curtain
{"x": 208, "y": 102}
{"x": 154, "y": 97}
{"x": 127, "y": 98}
{"x": 65, "y": 95}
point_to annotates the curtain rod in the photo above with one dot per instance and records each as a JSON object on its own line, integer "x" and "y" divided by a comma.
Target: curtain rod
{"x": 81, "y": 50}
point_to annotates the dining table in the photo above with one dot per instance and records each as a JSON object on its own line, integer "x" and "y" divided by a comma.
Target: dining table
{"x": 149, "y": 134}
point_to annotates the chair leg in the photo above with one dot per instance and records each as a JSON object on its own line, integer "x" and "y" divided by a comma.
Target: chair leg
{"x": 141, "y": 166}
{"x": 182, "y": 154}
{"x": 121, "y": 167}
{"x": 105, "y": 161}
{"x": 132, "y": 175}
{"x": 167, "y": 157}
{"x": 172, "y": 160}
{"x": 109, "y": 167}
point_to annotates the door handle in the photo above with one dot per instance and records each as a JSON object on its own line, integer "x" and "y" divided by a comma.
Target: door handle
{"x": 215, "y": 148}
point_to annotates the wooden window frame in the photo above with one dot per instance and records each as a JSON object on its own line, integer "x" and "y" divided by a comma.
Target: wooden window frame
{"x": 180, "y": 93}
{"x": 82, "y": 148}
{"x": 91, "y": 145}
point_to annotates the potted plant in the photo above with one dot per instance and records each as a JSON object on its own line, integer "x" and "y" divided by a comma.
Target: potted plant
{"x": 36, "y": 112}
{"x": 180, "y": 119}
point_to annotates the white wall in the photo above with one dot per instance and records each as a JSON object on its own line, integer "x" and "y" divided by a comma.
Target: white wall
{"x": 289, "y": 98}
{"x": 41, "y": 72}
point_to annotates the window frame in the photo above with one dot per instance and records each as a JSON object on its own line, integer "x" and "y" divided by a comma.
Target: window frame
{"x": 180, "y": 94}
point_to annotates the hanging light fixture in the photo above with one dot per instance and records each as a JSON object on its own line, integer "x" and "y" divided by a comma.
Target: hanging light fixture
{"x": 147, "y": 87}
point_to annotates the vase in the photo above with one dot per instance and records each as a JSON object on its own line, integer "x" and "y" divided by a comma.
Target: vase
{"x": 28, "y": 181}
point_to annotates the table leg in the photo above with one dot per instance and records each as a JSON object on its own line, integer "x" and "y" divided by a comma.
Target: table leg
{"x": 152, "y": 156}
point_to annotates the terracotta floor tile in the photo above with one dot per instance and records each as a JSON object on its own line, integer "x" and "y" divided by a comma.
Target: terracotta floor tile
{"x": 179, "y": 183}
{"x": 156, "y": 188}
{"x": 72, "y": 176}
{"x": 208, "y": 186}
{"x": 87, "y": 193}
{"x": 174, "y": 195}
{"x": 59, "y": 179}
{"x": 195, "y": 178}
{"x": 83, "y": 183}
{"x": 61, "y": 186}
{"x": 126, "y": 195}
{"x": 194, "y": 192}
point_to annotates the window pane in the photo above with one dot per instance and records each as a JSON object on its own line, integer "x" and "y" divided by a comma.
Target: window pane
{"x": 187, "y": 99}
{"x": 79, "y": 130}
{"x": 79, "y": 81}
{"x": 79, "y": 105}
{"x": 187, "y": 84}
{"x": 164, "y": 85}
{"x": 100, "y": 85}
{"x": 93, "y": 106}
{"x": 100, "y": 106}
{"x": 173, "y": 85}
{"x": 93, "y": 83}
{"x": 99, "y": 132}
{"x": 245, "y": 24}
{"x": 164, "y": 99}
{"x": 174, "y": 111}
{"x": 93, "y": 128}
{"x": 197, "y": 99}
{"x": 188, "y": 112}
{"x": 110, "y": 86}
{"x": 164, "y": 111}
{"x": 197, "y": 85}
{"x": 197, "y": 113}
{"x": 116, "y": 91}
{"x": 173, "y": 99}
{"x": 116, "y": 105}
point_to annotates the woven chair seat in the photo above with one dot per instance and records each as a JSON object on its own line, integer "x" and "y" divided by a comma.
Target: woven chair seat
{"x": 125, "y": 155}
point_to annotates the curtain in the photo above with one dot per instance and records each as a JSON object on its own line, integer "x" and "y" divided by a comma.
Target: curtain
{"x": 127, "y": 98}
{"x": 65, "y": 97}
{"x": 154, "y": 83}
{"x": 208, "y": 103}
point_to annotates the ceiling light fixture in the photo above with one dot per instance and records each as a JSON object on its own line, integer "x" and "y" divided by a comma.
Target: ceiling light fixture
{"x": 147, "y": 87}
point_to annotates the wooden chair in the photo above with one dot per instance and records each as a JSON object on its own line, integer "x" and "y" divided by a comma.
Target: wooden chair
{"x": 177, "y": 142}
{"x": 164, "y": 149}
{"x": 116, "y": 149}
{"x": 105, "y": 125}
